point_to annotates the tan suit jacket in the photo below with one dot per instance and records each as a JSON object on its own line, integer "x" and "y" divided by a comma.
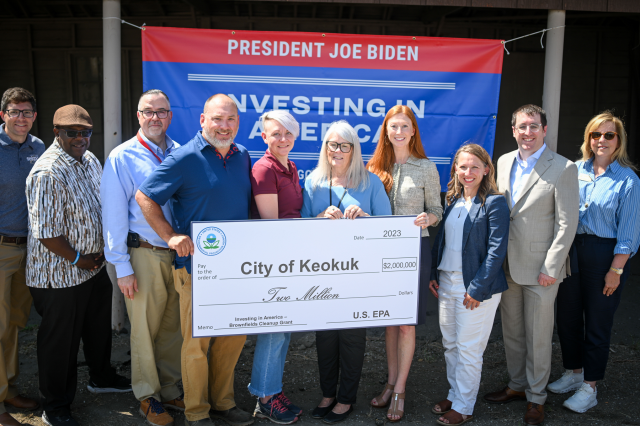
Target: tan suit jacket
{"x": 544, "y": 219}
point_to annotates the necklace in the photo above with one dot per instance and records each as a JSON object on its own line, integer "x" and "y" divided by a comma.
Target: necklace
{"x": 466, "y": 203}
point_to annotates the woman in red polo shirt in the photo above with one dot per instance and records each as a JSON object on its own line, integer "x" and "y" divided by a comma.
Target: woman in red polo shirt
{"x": 277, "y": 195}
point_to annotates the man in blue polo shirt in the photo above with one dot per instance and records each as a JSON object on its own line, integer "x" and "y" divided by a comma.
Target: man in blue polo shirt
{"x": 207, "y": 179}
{"x": 18, "y": 152}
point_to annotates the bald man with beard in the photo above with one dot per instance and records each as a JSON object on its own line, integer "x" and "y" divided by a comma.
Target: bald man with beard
{"x": 207, "y": 179}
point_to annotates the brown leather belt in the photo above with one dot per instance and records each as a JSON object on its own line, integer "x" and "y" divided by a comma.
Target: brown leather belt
{"x": 13, "y": 240}
{"x": 145, "y": 244}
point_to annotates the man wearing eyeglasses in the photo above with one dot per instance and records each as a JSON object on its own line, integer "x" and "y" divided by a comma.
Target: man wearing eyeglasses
{"x": 205, "y": 180}
{"x": 144, "y": 262}
{"x": 19, "y": 150}
{"x": 541, "y": 188}
{"x": 65, "y": 268}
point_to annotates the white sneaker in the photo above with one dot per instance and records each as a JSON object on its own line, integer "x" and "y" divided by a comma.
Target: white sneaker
{"x": 582, "y": 400}
{"x": 568, "y": 382}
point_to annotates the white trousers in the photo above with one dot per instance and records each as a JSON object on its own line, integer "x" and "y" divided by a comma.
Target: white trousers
{"x": 465, "y": 334}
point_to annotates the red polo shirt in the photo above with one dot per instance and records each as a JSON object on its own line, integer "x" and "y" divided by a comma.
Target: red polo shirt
{"x": 269, "y": 176}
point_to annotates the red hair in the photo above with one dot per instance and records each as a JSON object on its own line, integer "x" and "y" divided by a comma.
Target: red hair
{"x": 383, "y": 158}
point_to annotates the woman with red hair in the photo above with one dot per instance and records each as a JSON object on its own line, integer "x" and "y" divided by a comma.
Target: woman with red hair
{"x": 413, "y": 185}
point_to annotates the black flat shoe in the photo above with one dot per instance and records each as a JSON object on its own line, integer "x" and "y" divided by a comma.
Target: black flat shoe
{"x": 332, "y": 417}
{"x": 320, "y": 412}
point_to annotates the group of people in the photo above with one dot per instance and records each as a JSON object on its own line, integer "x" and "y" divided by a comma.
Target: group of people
{"x": 508, "y": 242}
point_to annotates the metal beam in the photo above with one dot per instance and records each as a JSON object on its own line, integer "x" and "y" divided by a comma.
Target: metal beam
{"x": 553, "y": 76}
{"x": 112, "y": 87}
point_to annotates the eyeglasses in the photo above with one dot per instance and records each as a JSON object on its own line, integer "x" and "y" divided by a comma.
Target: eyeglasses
{"x": 163, "y": 113}
{"x": 344, "y": 147}
{"x": 534, "y": 127}
{"x": 607, "y": 135}
{"x": 74, "y": 133}
{"x": 26, "y": 113}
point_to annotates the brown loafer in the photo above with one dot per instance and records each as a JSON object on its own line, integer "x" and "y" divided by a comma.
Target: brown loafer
{"x": 534, "y": 414}
{"x": 7, "y": 420}
{"x": 505, "y": 395}
{"x": 22, "y": 402}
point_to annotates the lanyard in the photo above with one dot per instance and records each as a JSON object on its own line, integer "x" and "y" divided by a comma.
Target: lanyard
{"x": 331, "y": 192}
{"x": 143, "y": 143}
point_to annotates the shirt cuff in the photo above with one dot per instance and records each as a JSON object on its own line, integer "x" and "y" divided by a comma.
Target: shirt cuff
{"x": 123, "y": 269}
{"x": 622, "y": 249}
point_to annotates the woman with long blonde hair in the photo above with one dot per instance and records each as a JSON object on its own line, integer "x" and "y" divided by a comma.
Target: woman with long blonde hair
{"x": 413, "y": 185}
{"x": 608, "y": 235}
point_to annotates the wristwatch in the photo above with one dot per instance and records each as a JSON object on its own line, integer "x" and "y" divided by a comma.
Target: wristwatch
{"x": 617, "y": 271}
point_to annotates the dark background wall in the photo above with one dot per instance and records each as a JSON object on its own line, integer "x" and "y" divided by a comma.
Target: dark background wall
{"x": 55, "y": 50}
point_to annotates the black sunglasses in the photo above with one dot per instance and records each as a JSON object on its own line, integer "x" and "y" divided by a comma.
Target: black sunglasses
{"x": 608, "y": 135}
{"x": 74, "y": 133}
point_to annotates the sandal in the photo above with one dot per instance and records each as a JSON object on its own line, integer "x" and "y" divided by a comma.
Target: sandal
{"x": 393, "y": 408}
{"x": 450, "y": 418}
{"x": 380, "y": 400}
{"x": 445, "y": 407}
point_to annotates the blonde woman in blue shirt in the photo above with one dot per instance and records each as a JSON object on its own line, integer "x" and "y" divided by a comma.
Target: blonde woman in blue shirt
{"x": 608, "y": 235}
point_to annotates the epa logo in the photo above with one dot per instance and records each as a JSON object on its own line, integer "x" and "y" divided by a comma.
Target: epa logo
{"x": 211, "y": 241}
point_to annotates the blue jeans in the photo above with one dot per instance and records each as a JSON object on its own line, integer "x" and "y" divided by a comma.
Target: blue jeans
{"x": 268, "y": 364}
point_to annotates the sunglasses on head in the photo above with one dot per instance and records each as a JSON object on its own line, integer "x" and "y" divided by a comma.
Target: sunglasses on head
{"x": 75, "y": 133}
{"x": 607, "y": 135}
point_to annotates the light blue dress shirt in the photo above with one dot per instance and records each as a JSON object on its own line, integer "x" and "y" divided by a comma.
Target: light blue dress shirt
{"x": 609, "y": 205}
{"x": 126, "y": 168}
{"x": 453, "y": 233}
{"x": 521, "y": 170}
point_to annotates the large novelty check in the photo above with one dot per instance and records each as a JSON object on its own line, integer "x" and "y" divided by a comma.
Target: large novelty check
{"x": 267, "y": 276}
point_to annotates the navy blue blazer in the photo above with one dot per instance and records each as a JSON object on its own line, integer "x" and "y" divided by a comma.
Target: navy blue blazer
{"x": 484, "y": 247}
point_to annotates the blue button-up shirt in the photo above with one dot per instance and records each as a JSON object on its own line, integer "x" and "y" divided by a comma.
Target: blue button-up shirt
{"x": 126, "y": 168}
{"x": 521, "y": 170}
{"x": 16, "y": 161}
{"x": 201, "y": 185}
{"x": 609, "y": 205}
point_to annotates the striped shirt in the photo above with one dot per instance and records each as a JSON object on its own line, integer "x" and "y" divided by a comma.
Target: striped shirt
{"x": 63, "y": 197}
{"x": 609, "y": 205}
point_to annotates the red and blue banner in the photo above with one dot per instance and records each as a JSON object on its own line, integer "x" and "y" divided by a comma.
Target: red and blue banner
{"x": 452, "y": 85}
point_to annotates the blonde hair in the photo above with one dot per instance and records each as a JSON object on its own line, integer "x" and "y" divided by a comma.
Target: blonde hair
{"x": 357, "y": 175}
{"x": 620, "y": 154}
{"x": 487, "y": 186}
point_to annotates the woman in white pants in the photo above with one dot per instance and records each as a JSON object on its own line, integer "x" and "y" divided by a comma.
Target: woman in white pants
{"x": 467, "y": 275}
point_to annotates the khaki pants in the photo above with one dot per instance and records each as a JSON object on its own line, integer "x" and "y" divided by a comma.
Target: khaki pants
{"x": 154, "y": 313}
{"x": 15, "y": 305}
{"x": 203, "y": 380}
{"x": 527, "y": 329}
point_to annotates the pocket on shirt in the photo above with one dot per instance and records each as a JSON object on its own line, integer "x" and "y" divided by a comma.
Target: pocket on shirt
{"x": 540, "y": 247}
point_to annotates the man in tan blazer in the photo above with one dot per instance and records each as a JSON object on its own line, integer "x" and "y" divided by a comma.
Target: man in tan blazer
{"x": 541, "y": 188}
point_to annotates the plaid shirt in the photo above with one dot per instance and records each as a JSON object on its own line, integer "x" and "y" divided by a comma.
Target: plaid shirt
{"x": 63, "y": 196}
